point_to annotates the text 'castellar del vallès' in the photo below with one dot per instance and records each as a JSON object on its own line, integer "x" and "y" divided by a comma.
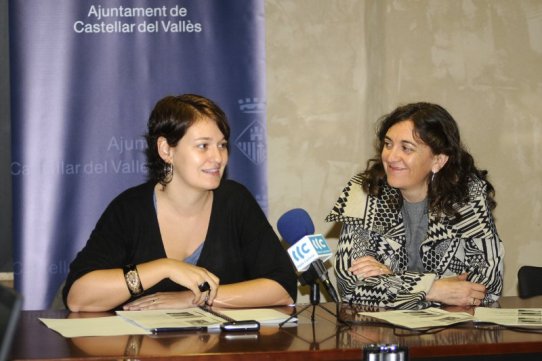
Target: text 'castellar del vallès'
{"x": 122, "y": 19}
{"x": 122, "y": 156}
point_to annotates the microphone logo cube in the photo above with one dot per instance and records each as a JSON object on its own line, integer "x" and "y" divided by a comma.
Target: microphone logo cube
{"x": 320, "y": 245}
{"x": 307, "y": 250}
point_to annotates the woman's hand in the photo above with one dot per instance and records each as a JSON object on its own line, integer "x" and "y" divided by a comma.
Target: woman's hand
{"x": 368, "y": 266}
{"x": 182, "y": 273}
{"x": 192, "y": 277}
{"x": 457, "y": 291}
{"x": 162, "y": 300}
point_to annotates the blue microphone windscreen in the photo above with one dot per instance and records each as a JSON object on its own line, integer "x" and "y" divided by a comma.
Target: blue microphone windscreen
{"x": 294, "y": 225}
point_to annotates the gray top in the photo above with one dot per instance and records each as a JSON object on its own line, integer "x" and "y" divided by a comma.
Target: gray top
{"x": 416, "y": 221}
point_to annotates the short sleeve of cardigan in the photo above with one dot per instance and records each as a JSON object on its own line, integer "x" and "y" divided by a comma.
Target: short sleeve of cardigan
{"x": 117, "y": 237}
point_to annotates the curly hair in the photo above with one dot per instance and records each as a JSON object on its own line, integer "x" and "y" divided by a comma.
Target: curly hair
{"x": 171, "y": 118}
{"x": 449, "y": 188}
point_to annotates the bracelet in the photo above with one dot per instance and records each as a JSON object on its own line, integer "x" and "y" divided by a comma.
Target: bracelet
{"x": 132, "y": 280}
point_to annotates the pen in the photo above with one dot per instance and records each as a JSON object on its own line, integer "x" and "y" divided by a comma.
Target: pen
{"x": 178, "y": 329}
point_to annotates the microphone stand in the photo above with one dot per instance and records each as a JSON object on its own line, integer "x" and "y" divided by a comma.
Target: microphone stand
{"x": 314, "y": 301}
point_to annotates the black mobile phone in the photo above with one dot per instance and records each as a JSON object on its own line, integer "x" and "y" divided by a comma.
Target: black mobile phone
{"x": 240, "y": 326}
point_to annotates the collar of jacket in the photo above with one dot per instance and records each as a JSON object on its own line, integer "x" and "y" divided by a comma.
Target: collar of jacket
{"x": 380, "y": 214}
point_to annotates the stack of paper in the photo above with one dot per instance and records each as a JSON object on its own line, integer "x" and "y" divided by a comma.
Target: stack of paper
{"x": 148, "y": 322}
{"x": 515, "y": 317}
{"x": 421, "y": 319}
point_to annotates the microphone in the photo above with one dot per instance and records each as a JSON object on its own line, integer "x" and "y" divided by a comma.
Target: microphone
{"x": 308, "y": 251}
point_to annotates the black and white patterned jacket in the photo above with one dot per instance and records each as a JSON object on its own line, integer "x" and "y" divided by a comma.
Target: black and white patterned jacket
{"x": 373, "y": 226}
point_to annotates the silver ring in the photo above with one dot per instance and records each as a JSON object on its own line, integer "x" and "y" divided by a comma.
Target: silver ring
{"x": 204, "y": 286}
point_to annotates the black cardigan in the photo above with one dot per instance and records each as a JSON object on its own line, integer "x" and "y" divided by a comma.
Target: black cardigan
{"x": 240, "y": 244}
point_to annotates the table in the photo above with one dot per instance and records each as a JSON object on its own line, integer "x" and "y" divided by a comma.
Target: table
{"x": 326, "y": 339}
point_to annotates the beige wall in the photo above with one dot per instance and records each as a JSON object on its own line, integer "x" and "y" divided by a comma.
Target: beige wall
{"x": 333, "y": 67}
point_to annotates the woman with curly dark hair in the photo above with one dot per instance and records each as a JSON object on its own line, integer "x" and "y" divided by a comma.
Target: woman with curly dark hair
{"x": 418, "y": 227}
{"x": 187, "y": 237}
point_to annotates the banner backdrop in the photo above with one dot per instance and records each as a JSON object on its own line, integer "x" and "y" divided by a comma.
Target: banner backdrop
{"x": 84, "y": 76}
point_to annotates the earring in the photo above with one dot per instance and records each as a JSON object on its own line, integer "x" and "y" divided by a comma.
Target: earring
{"x": 168, "y": 172}
{"x": 432, "y": 176}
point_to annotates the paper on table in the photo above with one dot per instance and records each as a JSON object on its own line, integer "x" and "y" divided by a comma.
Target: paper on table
{"x": 420, "y": 319}
{"x": 265, "y": 316}
{"x": 172, "y": 319}
{"x": 144, "y": 322}
{"x": 520, "y": 317}
{"x": 94, "y": 326}
{"x": 191, "y": 318}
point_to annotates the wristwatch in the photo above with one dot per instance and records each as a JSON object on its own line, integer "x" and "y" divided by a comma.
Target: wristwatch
{"x": 132, "y": 280}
